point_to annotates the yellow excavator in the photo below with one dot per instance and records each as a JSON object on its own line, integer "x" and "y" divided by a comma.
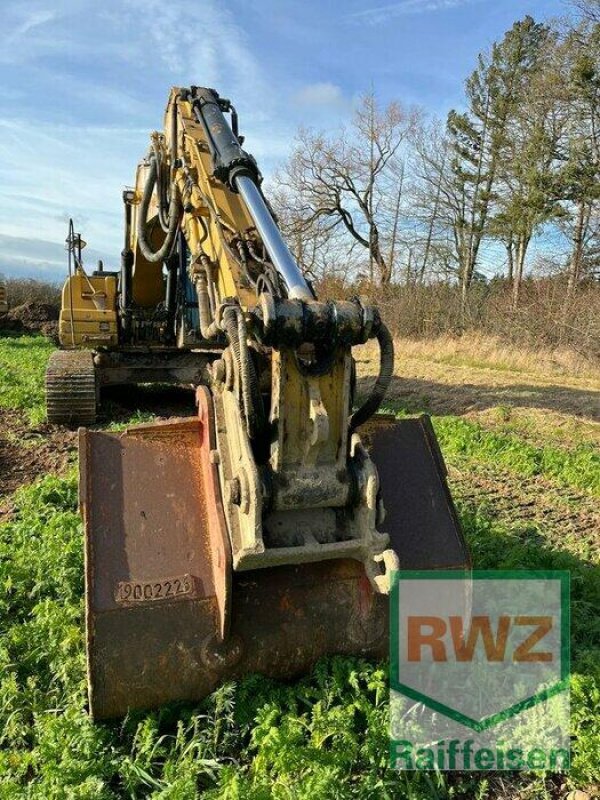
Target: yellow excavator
{"x": 262, "y": 533}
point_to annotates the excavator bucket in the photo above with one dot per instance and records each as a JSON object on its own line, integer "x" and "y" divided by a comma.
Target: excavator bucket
{"x": 167, "y": 617}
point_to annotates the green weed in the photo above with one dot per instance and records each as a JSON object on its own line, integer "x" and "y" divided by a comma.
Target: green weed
{"x": 23, "y": 362}
{"x": 465, "y": 442}
{"x": 322, "y": 737}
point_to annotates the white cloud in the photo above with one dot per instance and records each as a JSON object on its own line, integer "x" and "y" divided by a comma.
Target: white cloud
{"x": 200, "y": 42}
{"x": 104, "y": 77}
{"x": 24, "y": 257}
{"x": 379, "y": 14}
{"x": 23, "y": 30}
{"x": 321, "y": 94}
{"x": 32, "y": 20}
{"x": 75, "y": 171}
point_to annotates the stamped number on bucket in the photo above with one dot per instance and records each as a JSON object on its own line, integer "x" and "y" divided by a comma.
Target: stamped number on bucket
{"x": 165, "y": 589}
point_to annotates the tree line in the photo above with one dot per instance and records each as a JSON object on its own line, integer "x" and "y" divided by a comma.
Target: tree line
{"x": 399, "y": 197}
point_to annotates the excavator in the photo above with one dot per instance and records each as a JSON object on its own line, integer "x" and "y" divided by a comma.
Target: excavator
{"x": 261, "y": 533}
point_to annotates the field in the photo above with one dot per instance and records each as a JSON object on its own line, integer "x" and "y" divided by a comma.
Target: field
{"x": 520, "y": 433}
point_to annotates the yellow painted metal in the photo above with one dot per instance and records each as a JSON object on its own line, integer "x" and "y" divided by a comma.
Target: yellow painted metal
{"x": 148, "y": 283}
{"x": 209, "y": 205}
{"x": 88, "y": 316}
{"x": 213, "y": 217}
{"x": 313, "y": 412}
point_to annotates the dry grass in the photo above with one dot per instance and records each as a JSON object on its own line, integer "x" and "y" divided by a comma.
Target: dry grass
{"x": 490, "y": 352}
{"x": 546, "y": 317}
{"x": 543, "y": 397}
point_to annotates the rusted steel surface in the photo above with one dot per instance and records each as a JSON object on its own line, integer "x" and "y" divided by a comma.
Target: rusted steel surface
{"x": 283, "y": 620}
{"x": 153, "y": 515}
{"x": 157, "y": 556}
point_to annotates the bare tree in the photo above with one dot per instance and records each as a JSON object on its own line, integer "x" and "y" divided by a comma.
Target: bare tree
{"x": 350, "y": 182}
{"x": 589, "y": 9}
{"x": 437, "y": 207}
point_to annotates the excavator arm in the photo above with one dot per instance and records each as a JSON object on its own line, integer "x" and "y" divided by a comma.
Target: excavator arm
{"x": 254, "y": 537}
{"x": 283, "y": 381}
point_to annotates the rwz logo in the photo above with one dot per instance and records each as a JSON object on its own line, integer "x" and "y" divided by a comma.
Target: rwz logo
{"x": 483, "y": 653}
{"x": 455, "y": 635}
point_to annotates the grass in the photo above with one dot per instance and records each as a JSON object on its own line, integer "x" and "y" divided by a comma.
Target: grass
{"x": 322, "y": 737}
{"x": 467, "y": 441}
{"x": 487, "y": 352}
{"x": 23, "y": 362}
{"x": 535, "y": 425}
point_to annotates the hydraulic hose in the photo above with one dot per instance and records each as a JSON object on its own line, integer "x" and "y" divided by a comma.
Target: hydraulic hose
{"x": 235, "y": 328}
{"x": 162, "y": 177}
{"x": 161, "y": 192}
{"x": 174, "y": 213}
{"x": 386, "y": 369}
{"x": 208, "y": 327}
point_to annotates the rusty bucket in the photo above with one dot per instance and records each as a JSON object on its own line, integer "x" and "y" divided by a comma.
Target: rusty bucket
{"x": 167, "y": 618}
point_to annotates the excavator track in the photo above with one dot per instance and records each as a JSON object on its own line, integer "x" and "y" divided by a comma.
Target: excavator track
{"x": 71, "y": 388}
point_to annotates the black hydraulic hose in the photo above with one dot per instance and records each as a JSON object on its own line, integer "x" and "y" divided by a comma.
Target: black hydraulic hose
{"x": 174, "y": 213}
{"x": 386, "y": 369}
{"x": 126, "y": 267}
{"x": 171, "y": 292}
{"x": 161, "y": 191}
{"x": 235, "y": 328}
{"x": 162, "y": 177}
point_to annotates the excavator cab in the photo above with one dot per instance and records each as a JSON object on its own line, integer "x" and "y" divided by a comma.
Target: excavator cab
{"x": 262, "y": 533}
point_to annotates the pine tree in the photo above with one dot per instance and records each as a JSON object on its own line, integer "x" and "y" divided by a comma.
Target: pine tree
{"x": 481, "y": 136}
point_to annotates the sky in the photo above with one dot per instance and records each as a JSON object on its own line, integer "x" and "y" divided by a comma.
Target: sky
{"x": 83, "y": 83}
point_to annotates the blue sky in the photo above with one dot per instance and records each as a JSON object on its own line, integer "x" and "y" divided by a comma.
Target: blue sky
{"x": 83, "y": 83}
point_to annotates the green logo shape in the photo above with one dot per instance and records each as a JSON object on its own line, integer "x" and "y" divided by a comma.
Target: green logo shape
{"x": 493, "y": 719}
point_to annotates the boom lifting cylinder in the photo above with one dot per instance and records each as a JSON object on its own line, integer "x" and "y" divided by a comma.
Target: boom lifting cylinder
{"x": 238, "y": 169}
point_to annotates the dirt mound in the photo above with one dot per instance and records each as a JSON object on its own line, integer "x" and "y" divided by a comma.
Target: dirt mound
{"x": 33, "y": 317}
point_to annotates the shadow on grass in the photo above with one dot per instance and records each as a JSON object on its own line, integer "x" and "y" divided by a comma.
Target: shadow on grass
{"x": 119, "y": 403}
{"x": 416, "y": 394}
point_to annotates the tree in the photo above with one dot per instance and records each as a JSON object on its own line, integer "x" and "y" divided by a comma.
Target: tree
{"x": 351, "y": 182}
{"x": 580, "y": 172}
{"x": 589, "y": 9}
{"x": 436, "y": 205}
{"x": 526, "y": 188}
{"x": 481, "y": 137}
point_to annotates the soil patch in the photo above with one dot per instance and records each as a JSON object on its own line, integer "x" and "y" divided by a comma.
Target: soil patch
{"x": 28, "y": 453}
{"x": 33, "y": 317}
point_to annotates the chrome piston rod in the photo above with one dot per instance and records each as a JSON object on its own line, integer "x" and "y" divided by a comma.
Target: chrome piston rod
{"x": 281, "y": 257}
